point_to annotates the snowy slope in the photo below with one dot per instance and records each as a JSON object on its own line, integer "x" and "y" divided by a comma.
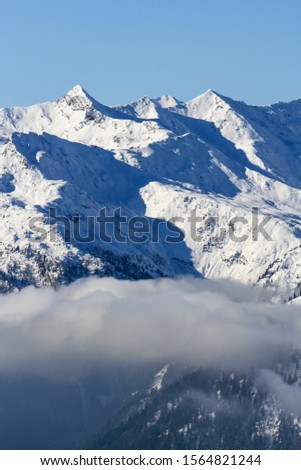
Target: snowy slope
{"x": 158, "y": 158}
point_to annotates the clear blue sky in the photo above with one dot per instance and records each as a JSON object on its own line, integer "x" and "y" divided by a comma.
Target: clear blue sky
{"x": 120, "y": 50}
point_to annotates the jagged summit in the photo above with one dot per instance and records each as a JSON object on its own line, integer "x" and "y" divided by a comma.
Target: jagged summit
{"x": 77, "y": 90}
{"x": 78, "y": 98}
{"x": 144, "y": 106}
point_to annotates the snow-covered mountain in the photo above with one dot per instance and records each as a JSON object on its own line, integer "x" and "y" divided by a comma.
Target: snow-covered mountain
{"x": 207, "y": 409}
{"x": 229, "y": 164}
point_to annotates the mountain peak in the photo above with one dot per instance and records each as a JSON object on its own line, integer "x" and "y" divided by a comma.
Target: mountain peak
{"x": 167, "y": 101}
{"x": 77, "y": 98}
{"x": 209, "y": 95}
{"x": 201, "y": 105}
{"x": 77, "y": 90}
{"x": 143, "y": 108}
{"x": 147, "y": 100}
{"x": 210, "y": 91}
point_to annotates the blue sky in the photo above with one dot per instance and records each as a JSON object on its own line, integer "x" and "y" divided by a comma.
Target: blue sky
{"x": 120, "y": 50}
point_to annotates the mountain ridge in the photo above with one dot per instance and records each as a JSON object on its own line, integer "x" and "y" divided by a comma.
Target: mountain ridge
{"x": 157, "y": 160}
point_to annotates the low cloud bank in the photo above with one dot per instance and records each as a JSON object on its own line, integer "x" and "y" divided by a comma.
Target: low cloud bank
{"x": 96, "y": 322}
